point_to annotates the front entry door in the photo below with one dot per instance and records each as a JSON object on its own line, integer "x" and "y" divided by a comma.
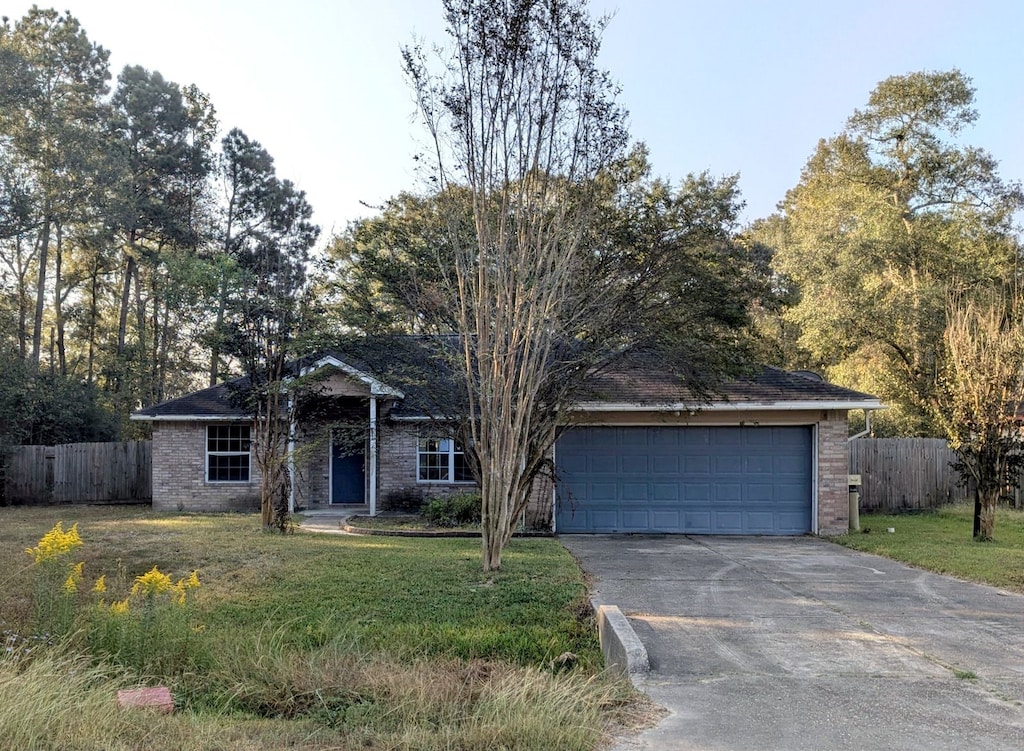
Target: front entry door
{"x": 348, "y": 477}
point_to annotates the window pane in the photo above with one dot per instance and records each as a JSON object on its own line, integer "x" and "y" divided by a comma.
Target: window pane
{"x": 433, "y": 467}
{"x": 229, "y": 468}
{"x": 227, "y": 457}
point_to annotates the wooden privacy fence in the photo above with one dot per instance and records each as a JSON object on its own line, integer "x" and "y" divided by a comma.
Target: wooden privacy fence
{"x": 898, "y": 474}
{"x": 905, "y": 473}
{"x": 118, "y": 472}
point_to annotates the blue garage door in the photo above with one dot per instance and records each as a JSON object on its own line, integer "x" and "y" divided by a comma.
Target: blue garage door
{"x": 711, "y": 480}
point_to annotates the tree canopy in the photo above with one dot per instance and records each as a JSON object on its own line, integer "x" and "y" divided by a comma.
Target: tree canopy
{"x": 889, "y": 218}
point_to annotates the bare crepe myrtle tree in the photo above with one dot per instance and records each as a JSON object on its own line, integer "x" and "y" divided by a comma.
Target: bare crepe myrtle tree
{"x": 519, "y": 115}
{"x": 981, "y": 395}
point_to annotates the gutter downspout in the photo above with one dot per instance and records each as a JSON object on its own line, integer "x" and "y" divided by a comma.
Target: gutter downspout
{"x": 867, "y": 427}
{"x": 373, "y": 456}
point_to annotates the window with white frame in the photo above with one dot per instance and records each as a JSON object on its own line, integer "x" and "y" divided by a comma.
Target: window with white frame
{"x": 441, "y": 460}
{"x": 227, "y": 453}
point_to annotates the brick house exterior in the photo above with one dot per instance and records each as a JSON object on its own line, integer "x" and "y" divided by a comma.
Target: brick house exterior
{"x": 396, "y": 456}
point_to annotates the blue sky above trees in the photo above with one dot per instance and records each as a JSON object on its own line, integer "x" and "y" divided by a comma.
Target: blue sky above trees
{"x": 743, "y": 87}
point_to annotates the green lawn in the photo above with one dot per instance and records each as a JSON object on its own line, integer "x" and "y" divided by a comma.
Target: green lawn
{"x": 346, "y": 642}
{"x": 941, "y": 541}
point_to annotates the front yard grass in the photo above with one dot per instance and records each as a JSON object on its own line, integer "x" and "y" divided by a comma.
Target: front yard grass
{"x": 321, "y": 641}
{"x": 941, "y": 541}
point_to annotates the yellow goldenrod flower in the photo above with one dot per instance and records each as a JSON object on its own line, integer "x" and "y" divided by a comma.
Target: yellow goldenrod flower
{"x": 56, "y": 542}
{"x": 101, "y": 585}
{"x": 74, "y": 577}
{"x": 153, "y": 582}
{"x": 193, "y": 580}
{"x": 179, "y": 592}
{"x": 120, "y": 607}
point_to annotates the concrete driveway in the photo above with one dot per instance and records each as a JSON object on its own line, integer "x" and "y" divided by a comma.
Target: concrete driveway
{"x": 796, "y": 643}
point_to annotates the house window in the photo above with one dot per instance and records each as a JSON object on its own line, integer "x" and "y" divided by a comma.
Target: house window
{"x": 442, "y": 460}
{"x": 227, "y": 453}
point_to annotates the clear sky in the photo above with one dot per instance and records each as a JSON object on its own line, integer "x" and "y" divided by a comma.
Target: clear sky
{"x": 741, "y": 86}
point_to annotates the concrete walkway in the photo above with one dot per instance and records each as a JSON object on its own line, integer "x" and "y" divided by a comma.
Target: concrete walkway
{"x": 328, "y": 521}
{"x": 796, "y": 643}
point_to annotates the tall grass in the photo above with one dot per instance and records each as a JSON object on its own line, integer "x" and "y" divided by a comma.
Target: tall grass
{"x": 417, "y": 704}
{"x": 301, "y": 642}
{"x": 332, "y": 698}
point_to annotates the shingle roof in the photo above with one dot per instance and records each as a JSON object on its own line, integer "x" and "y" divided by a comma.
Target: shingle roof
{"x": 416, "y": 366}
{"x": 214, "y": 402}
{"x": 637, "y": 385}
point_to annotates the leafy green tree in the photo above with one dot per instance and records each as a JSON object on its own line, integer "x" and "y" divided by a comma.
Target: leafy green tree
{"x": 888, "y": 217}
{"x": 161, "y": 143}
{"x": 388, "y": 272}
{"x": 53, "y": 79}
{"x": 264, "y": 311}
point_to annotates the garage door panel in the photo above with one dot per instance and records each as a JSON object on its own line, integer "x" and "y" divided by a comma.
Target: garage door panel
{"x": 765, "y": 437}
{"x": 633, "y": 465}
{"x": 665, "y": 464}
{"x": 728, "y": 492}
{"x": 664, "y": 437}
{"x": 634, "y": 492}
{"x": 763, "y": 465}
{"x": 709, "y": 480}
{"x": 698, "y": 492}
{"x": 728, "y": 522}
{"x": 666, "y": 519}
{"x": 760, "y": 493}
{"x": 695, "y": 437}
{"x": 727, "y": 465}
{"x": 697, "y": 465}
{"x": 666, "y": 492}
{"x": 794, "y": 465}
{"x": 726, "y": 438}
{"x": 697, "y": 522}
{"x": 635, "y": 521}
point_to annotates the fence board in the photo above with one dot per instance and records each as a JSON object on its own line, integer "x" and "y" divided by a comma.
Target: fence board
{"x": 899, "y": 474}
{"x": 119, "y": 472}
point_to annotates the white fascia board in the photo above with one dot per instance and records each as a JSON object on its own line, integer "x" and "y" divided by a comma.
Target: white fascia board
{"x": 190, "y": 418}
{"x": 377, "y": 388}
{"x": 726, "y": 406}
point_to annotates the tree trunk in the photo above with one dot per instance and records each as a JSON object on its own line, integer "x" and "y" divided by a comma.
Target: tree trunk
{"x": 23, "y": 300}
{"x": 126, "y": 296}
{"x": 218, "y": 327}
{"x": 58, "y": 301}
{"x": 986, "y": 519}
{"x": 977, "y": 514}
{"x": 37, "y": 328}
{"x": 93, "y": 315}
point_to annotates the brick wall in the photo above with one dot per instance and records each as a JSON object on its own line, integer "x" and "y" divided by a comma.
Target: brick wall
{"x": 833, "y": 468}
{"x": 179, "y": 473}
{"x": 397, "y": 469}
{"x": 312, "y": 470}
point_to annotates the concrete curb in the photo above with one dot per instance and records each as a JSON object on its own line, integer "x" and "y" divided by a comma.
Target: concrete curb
{"x": 622, "y": 649}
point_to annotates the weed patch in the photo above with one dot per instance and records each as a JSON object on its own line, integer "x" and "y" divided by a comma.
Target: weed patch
{"x": 300, "y": 641}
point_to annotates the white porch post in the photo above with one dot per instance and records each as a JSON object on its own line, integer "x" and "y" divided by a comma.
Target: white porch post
{"x": 373, "y": 456}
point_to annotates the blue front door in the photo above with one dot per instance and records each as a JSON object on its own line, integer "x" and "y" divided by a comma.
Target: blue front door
{"x": 348, "y": 477}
